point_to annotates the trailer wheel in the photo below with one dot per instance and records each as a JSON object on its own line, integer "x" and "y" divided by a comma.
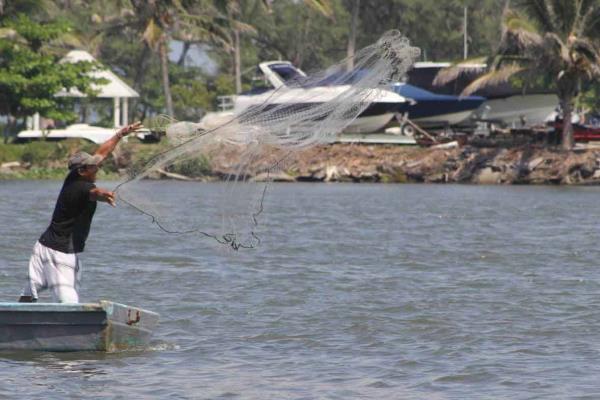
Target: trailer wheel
{"x": 408, "y": 130}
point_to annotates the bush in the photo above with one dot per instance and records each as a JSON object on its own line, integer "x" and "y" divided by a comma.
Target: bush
{"x": 194, "y": 167}
{"x": 43, "y": 153}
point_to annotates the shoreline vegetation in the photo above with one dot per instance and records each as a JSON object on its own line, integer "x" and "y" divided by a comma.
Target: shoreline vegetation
{"x": 527, "y": 164}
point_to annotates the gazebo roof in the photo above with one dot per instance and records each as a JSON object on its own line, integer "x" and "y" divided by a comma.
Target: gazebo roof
{"x": 113, "y": 89}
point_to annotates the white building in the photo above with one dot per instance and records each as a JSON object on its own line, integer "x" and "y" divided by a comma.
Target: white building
{"x": 115, "y": 89}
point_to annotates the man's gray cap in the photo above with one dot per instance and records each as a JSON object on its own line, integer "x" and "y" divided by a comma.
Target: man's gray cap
{"x": 81, "y": 159}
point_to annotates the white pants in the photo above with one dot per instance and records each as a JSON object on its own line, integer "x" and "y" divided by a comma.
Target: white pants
{"x": 54, "y": 270}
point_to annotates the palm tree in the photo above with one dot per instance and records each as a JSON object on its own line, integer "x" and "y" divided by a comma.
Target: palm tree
{"x": 232, "y": 13}
{"x": 547, "y": 38}
{"x": 158, "y": 18}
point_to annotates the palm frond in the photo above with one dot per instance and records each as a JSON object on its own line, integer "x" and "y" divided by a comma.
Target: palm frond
{"x": 542, "y": 12}
{"x": 586, "y": 48}
{"x": 588, "y": 21}
{"x": 493, "y": 77}
{"x": 595, "y": 70}
{"x": 568, "y": 13}
{"x": 152, "y": 34}
{"x": 499, "y": 61}
{"x": 555, "y": 47}
{"x": 267, "y": 5}
{"x": 454, "y": 71}
{"x": 68, "y": 40}
{"x": 519, "y": 33}
{"x": 243, "y": 27}
{"x": 514, "y": 20}
{"x": 323, "y": 7}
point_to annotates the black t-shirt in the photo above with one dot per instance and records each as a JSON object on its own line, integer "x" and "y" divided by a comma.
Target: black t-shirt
{"x": 72, "y": 216}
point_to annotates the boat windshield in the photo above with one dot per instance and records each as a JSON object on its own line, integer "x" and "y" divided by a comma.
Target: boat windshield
{"x": 286, "y": 72}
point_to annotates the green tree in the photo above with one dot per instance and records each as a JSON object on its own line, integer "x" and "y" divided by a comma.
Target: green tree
{"x": 31, "y": 77}
{"x": 231, "y": 20}
{"x": 157, "y": 23}
{"x": 157, "y": 18}
{"x": 239, "y": 19}
{"x": 300, "y": 33}
{"x": 434, "y": 26}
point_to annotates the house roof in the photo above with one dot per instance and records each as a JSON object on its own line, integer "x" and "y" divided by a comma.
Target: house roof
{"x": 114, "y": 88}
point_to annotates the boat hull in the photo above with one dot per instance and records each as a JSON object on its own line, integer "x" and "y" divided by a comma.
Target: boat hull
{"x": 432, "y": 110}
{"x": 369, "y": 123}
{"x": 519, "y": 110}
{"x": 104, "y": 326}
{"x": 451, "y": 119}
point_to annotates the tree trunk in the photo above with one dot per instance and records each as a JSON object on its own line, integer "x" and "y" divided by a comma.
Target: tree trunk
{"x": 567, "y": 131}
{"x": 5, "y": 132}
{"x": 164, "y": 66}
{"x": 140, "y": 74}
{"x": 11, "y": 122}
{"x": 352, "y": 37}
{"x": 237, "y": 62}
{"x": 303, "y": 42}
{"x": 184, "y": 51}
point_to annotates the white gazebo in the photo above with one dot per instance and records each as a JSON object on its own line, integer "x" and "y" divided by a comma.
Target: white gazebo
{"x": 115, "y": 89}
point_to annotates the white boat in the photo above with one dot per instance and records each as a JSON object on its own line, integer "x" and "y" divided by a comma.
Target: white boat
{"x": 505, "y": 104}
{"x": 519, "y": 110}
{"x": 276, "y": 74}
{"x": 94, "y": 134}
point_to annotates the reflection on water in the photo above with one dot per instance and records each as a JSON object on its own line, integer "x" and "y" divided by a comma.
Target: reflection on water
{"x": 357, "y": 291}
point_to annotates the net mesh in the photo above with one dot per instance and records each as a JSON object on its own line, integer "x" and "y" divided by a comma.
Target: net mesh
{"x": 256, "y": 140}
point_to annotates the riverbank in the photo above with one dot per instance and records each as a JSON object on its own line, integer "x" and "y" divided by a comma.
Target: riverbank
{"x": 397, "y": 164}
{"x": 330, "y": 163}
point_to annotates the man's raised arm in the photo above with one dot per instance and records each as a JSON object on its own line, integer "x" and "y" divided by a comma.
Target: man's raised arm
{"x": 107, "y": 147}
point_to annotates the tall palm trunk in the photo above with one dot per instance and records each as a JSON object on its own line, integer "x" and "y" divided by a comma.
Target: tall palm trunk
{"x": 237, "y": 61}
{"x": 302, "y": 46}
{"x": 566, "y": 104}
{"x": 140, "y": 74}
{"x": 352, "y": 37}
{"x": 164, "y": 66}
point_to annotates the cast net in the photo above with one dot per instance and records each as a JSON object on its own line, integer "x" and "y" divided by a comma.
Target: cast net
{"x": 245, "y": 148}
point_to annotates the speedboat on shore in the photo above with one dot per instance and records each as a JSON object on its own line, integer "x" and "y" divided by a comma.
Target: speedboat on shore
{"x": 95, "y": 134}
{"x": 275, "y": 75}
{"x": 505, "y": 104}
{"x": 433, "y": 110}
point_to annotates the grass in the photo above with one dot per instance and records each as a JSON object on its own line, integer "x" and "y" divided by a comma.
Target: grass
{"x": 48, "y": 159}
{"x": 51, "y": 174}
{"x": 43, "y": 153}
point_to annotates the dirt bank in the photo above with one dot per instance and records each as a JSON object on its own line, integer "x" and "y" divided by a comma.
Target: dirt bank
{"x": 381, "y": 163}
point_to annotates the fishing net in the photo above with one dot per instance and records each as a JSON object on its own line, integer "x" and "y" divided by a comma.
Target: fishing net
{"x": 245, "y": 148}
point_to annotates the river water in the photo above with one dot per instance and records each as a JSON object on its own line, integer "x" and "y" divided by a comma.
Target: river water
{"x": 357, "y": 291}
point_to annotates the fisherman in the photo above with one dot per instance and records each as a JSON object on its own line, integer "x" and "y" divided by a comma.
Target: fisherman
{"x": 55, "y": 263}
